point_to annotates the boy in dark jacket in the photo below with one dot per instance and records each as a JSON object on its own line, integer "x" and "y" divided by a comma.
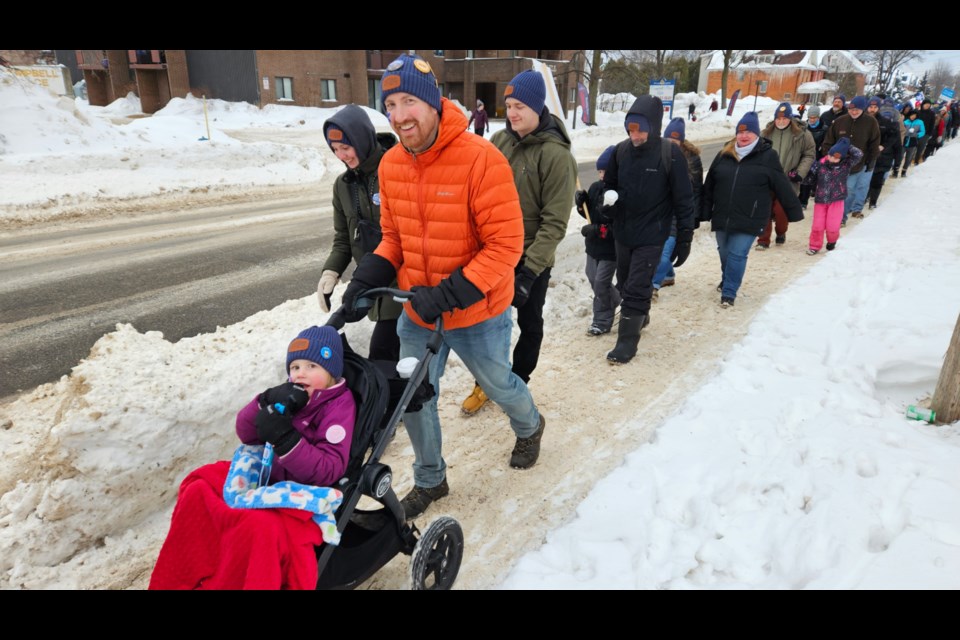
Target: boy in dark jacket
{"x": 601, "y": 250}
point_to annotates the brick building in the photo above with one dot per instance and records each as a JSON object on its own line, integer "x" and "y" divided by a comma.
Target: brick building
{"x": 314, "y": 78}
{"x": 794, "y": 76}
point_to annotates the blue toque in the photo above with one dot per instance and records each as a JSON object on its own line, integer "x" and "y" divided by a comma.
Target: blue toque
{"x": 749, "y": 122}
{"x": 529, "y": 88}
{"x": 333, "y": 133}
{"x": 604, "y": 158}
{"x": 413, "y": 75}
{"x": 640, "y": 121}
{"x": 859, "y": 103}
{"x": 321, "y": 345}
{"x": 784, "y": 110}
{"x": 842, "y": 147}
{"x": 676, "y": 129}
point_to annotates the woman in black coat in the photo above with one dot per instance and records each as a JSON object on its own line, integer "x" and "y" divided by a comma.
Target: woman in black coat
{"x": 737, "y": 200}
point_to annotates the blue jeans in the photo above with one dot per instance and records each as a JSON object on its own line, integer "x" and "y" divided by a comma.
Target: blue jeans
{"x": 734, "y": 249}
{"x": 665, "y": 268}
{"x": 485, "y": 350}
{"x": 857, "y": 186}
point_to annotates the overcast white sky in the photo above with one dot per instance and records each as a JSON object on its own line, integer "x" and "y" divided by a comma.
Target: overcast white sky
{"x": 951, "y": 57}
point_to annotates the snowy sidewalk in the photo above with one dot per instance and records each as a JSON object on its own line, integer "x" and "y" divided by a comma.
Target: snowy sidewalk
{"x": 795, "y": 466}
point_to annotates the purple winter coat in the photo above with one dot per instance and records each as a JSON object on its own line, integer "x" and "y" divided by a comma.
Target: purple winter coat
{"x": 326, "y": 424}
{"x": 831, "y": 179}
{"x": 479, "y": 120}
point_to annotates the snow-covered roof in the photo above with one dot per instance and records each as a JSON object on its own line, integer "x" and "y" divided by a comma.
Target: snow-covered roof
{"x": 829, "y": 60}
{"x": 767, "y": 58}
{"x": 842, "y": 60}
{"x": 820, "y": 86}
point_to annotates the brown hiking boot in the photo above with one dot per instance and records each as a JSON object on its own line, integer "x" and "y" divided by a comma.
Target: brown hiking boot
{"x": 527, "y": 450}
{"x": 419, "y": 498}
{"x": 474, "y": 401}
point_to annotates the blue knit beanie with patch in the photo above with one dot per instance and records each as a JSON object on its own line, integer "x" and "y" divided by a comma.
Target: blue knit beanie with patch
{"x": 676, "y": 130}
{"x": 322, "y": 345}
{"x": 529, "y": 88}
{"x": 842, "y": 147}
{"x": 413, "y": 75}
{"x": 749, "y": 122}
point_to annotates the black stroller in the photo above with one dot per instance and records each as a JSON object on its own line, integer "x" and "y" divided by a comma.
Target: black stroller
{"x": 370, "y": 539}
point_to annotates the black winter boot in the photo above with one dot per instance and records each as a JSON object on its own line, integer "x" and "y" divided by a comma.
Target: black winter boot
{"x": 627, "y": 338}
{"x": 872, "y": 195}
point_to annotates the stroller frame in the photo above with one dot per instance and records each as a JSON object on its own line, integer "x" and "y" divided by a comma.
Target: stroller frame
{"x": 370, "y": 539}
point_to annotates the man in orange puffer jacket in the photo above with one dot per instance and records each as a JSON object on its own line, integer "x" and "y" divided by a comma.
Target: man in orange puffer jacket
{"x": 453, "y": 234}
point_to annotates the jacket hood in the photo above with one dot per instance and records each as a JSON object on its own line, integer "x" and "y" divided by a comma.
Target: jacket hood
{"x": 356, "y": 124}
{"x": 651, "y": 107}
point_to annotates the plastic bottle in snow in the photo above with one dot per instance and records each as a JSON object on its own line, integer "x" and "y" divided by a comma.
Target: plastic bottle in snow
{"x": 919, "y": 413}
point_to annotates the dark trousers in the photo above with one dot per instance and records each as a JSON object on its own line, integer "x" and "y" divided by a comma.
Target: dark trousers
{"x": 530, "y": 320}
{"x": 921, "y": 149}
{"x": 635, "y": 269}
{"x": 384, "y": 341}
{"x": 805, "y": 191}
{"x": 779, "y": 220}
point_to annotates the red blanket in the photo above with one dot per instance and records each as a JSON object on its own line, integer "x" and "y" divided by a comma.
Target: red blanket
{"x": 213, "y": 546}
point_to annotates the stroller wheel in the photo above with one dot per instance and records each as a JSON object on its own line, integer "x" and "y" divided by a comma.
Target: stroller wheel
{"x": 436, "y": 558}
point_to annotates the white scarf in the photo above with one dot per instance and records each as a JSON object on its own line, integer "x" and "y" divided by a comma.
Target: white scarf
{"x": 742, "y": 152}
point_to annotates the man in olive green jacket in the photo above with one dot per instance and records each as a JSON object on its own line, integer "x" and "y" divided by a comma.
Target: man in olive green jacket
{"x": 356, "y": 217}
{"x": 537, "y": 145}
{"x": 797, "y": 152}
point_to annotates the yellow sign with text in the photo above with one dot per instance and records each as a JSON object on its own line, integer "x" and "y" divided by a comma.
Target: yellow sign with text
{"x": 54, "y": 77}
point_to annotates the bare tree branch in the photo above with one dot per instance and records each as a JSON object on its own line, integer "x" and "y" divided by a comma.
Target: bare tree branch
{"x": 887, "y": 62}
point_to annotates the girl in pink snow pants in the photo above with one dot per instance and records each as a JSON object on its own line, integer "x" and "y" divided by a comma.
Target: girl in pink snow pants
{"x": 830, "y": 177}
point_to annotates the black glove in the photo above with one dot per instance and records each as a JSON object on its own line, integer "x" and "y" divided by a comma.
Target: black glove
{"x": 453, "y": 292}
{"x": 682, "y": 251}
{"x": 372, "y": 272}
{"x": 794, "y": 176}
{"x": 590, "y": 231}
{"x": 277, "y": 429}
{"x": 580, "y": 199}
{"x": 292, "y": 396}
{"x": 522, "y": 283}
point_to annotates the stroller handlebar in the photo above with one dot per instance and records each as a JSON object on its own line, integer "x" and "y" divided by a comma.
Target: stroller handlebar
{"x": 337, "y": 319}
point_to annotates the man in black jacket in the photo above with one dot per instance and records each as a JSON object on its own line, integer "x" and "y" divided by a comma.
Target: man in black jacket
{"x": 839, "y": 109}
{"x": 929, "y": 120}
{"x": 650, "y": 186}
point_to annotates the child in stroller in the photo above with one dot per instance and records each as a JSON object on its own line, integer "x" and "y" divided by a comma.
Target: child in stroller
{"x": 367, "y": 539}
{"x": 308, "y": 423}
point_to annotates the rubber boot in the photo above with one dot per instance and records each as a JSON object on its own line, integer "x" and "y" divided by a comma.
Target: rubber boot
{"x": 627, "y": 338}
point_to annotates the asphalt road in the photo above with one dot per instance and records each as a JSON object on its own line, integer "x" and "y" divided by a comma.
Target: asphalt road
{"x": 180, "y": 273}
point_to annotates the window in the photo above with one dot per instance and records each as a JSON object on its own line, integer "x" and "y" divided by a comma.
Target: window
{"x": 573, "y": 95}
{"x": 470, "y": 52}
{"x": 787, "y": 96}
{"x": 740, "y": 75}
{"x": 284, "y": 88}
{"x": 375, "y": 95}
{"x": 763, "y": 87}
{"x": 328, "y": 89}
{"x": 438, "y": 52}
